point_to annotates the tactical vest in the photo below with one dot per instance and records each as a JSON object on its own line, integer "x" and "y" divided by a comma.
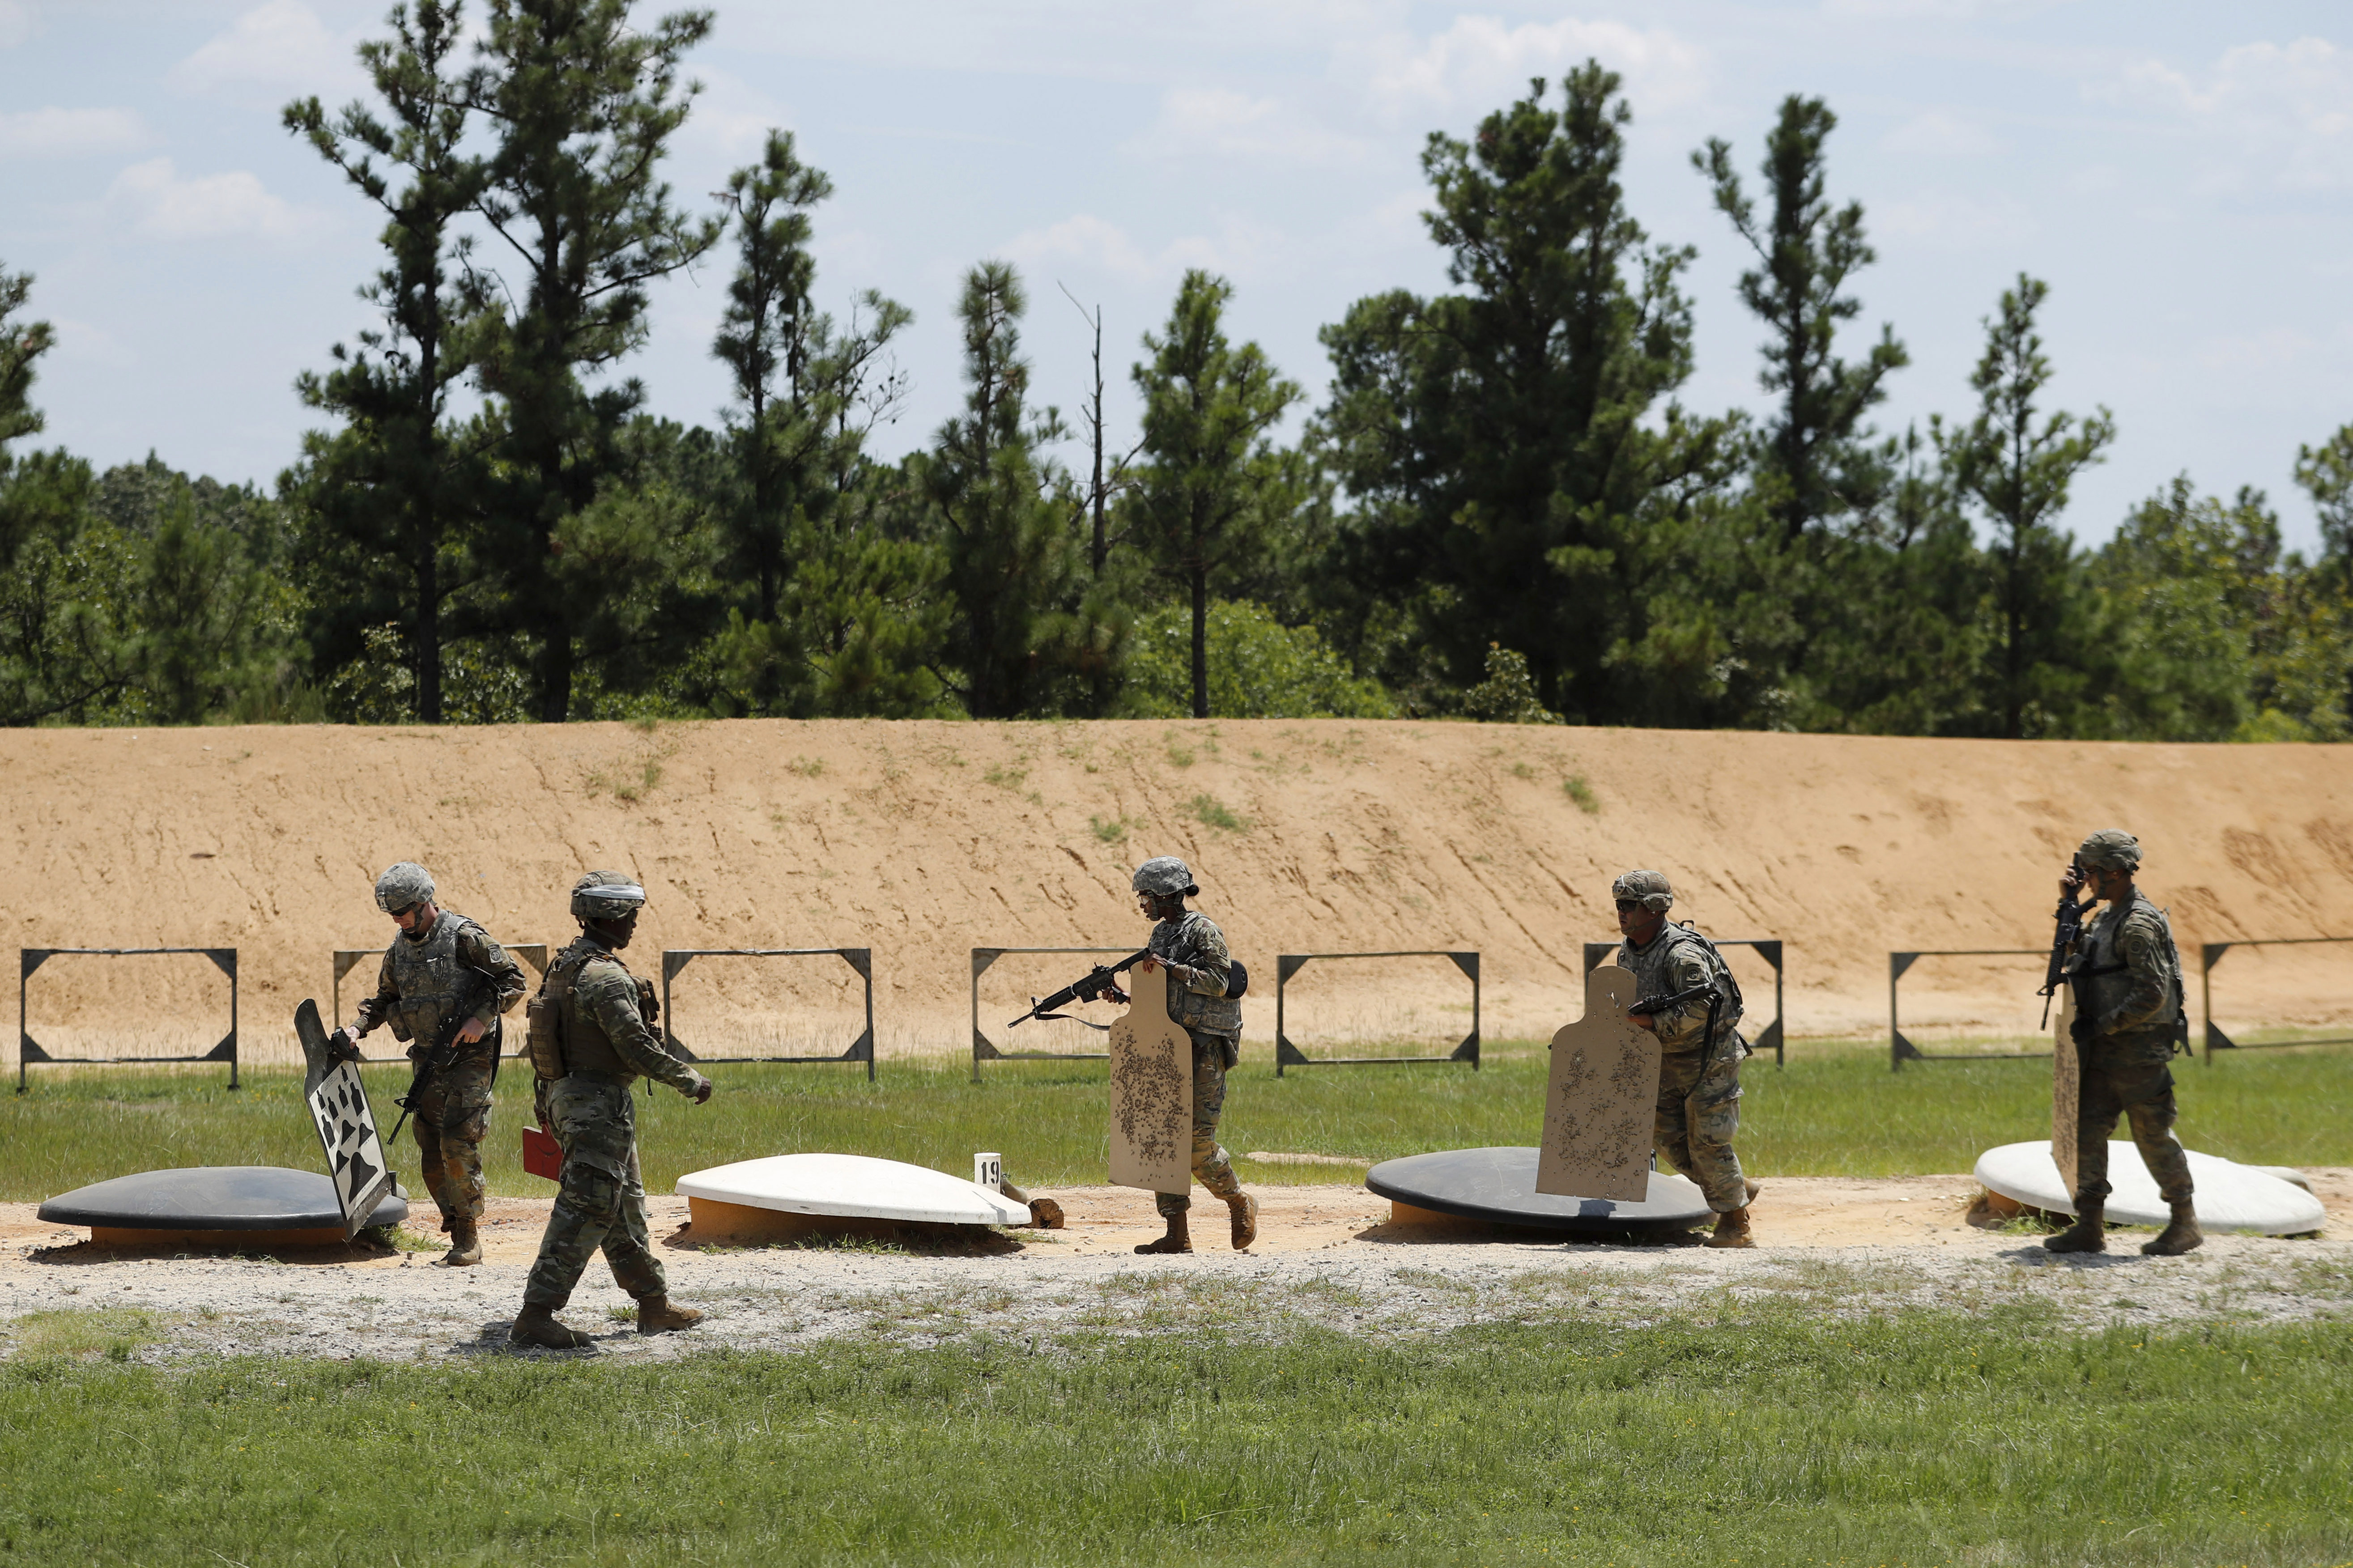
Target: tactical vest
{"x": 1174, "y": 941}
{"x": 564, "y": 1039}
{"x": 1653, "y": 970}
{"x": 2102, "y": 978}
{"x": 429, "y": 976}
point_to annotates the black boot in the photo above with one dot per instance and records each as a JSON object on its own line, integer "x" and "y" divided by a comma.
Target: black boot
{"x": 2088, "y": 1233}
{"x": 2182, "y": 1235}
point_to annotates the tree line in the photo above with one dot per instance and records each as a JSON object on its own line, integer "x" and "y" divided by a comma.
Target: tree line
{"x": 1503, "y": 511}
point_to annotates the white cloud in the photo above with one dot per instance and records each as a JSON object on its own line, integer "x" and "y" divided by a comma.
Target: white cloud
{"x": 160, "y": 204}
{"x": 1478, "y": 64}
{"x": 17, "y": 21}
{"x": 1939, "y": 134}
{"x": 2278, "y": 115}
{"x": 278, "y": 46}
{"x": 1229, "y": 125}
{"x": 1951, "y": 220}
{"x": 1085, "y": 241}
{"x": 69, "y": 132}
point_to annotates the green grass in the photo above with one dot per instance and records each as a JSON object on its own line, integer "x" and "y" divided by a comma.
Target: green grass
{"x": 1832, "y": 1111}
{"x": 1920, "y": 1440}
{"x": 1581, "y": 793}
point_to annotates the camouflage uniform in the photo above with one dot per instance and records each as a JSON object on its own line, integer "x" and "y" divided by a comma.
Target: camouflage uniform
{"x": 417, "y": 985}
{"x": 1699, "y": 1077}
{"x": 600, "y": 1202}
{"x": 2128, "y": 981}
{"x": 1214, "y": 1020}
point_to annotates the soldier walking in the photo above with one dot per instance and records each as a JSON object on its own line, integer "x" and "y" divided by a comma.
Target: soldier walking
{"x": 422, "y": 977}
{"x": 591, "y": 1038}
{"x": 2126, "y": 975}
{"x": 1699, "y": 1072}
{"x": 1189, "y": 945}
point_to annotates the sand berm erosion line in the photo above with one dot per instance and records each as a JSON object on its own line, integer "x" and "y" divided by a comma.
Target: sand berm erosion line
{"x": 921, "y": 840}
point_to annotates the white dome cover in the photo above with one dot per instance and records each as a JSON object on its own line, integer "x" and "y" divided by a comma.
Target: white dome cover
{"x": 2230, "y": 1197}
{"x": 853, "y": 1186}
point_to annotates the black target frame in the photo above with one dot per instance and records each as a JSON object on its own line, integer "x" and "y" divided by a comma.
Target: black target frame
{"x": 1287, "y": 1055}
{"x": 984, "y": 1049}
{"x": 2209, "y": 954}
{"x": 1767, "y": 948}
{"x": 29, "y": 1050}
{"x": 860, "y": 959}
{"x": 347, "y": 959}
{"x": 1901, "y": 1050}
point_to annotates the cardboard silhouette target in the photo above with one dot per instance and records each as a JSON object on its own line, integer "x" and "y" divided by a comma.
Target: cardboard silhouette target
{"x": 1600, "y": 1098}
{"x": 347, "y": 1130}
{"x": 1151, "y": 1091}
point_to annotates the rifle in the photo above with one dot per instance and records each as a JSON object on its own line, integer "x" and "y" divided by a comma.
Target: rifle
{"x": 1651, "y": 1006}
{"x": 437, "y": 1056}
{"x": 1097, "y": 981}
{"x": 2070, "y": 917}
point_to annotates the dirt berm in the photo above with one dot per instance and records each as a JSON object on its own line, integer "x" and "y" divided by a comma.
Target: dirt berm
{"x": 925, "y": 840}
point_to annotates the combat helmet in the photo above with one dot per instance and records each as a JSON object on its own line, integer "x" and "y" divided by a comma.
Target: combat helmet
{"x": 605, "y": 896}
{"x": 1648, "y": 888}
{"x": 2111, "y": 849}
{"x": 403, "y": 886}
{"x": 1165, "y": 876}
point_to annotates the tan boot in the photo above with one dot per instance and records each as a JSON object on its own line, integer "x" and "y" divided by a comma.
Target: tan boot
{"x": 2088, "y": 1233}
{"x": 1245, "y": 1218}
{"x": 2182, "y": 1235}
{"x": 1732, "y": 1228}
{"x": 537, "y": 1326}
{"x": 656, "y": 1316}
{"x": 1046, "y": 1214}
{"x": 1179, "y": 1239}
{"x": 465, "y": 1244}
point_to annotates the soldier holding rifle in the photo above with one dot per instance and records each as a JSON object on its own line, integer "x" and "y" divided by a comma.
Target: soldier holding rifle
{"x": 1189, "y": 945}
{"x": 1699, "y": 1065}
{"x": 2129, "y": 1022}
{"x": 440, "y": 962}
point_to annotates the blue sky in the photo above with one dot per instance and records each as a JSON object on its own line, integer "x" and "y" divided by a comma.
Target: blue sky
{"x": 2178, "y": 174}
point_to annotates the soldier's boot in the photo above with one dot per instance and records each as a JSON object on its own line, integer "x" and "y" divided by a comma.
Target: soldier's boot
{"x": 537, "y": 1326}
{"x": 465, "y": 1244}
{"x": 1179, "y": 1239}
{"x": 1244, "y": 1209}
{"x": 2182, "y": 1235}
{"x": 2088, "y": 1233}
{"x": 1732, "y": 1229}
{"x": 656, "y": 1316}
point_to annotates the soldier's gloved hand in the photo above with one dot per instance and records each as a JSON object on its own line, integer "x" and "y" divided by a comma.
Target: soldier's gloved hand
{"x": 701, "y": 1095}
{"x": 343, "y": 1045}
{"x": 1113, "y": 994}
{"x": 2079, "y": 1029}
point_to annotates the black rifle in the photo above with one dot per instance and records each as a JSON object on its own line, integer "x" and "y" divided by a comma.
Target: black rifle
{"x": 1651, "y": 1006}
{"x": 2070, "y": 917}
{"x": 474, "y": 989}
{"x": 1098, "y": 980}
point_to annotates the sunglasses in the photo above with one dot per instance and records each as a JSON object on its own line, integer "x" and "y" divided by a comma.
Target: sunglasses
{"x": 1624, "y": 905}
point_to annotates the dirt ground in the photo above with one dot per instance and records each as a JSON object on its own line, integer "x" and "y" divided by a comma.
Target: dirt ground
{"x": 922, "y": 841}
{"x": 1327, "y": 1255}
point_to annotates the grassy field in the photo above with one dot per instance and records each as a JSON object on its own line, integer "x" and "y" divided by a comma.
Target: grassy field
{"x": 1834, "y": 1110}
{"x": 1923, "y": 1439}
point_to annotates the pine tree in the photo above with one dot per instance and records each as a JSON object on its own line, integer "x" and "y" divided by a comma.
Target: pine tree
{"x": 584, "y": 106}
{"x": 390, "y": 496}
{"x": 2015, "y": 471}
{"x": 1214, "y": 488}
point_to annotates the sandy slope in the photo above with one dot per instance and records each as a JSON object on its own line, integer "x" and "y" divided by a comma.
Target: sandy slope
{"x": 921, "y": 840}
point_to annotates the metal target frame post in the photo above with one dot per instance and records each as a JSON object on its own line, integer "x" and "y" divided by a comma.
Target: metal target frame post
{"x": 1287, "y": 1055}
{"x": 860, "y": 959}
{"x": 2209, "y": 954}
{"x": 984, "y": 1049}
{"x": 1901, "y": 1050}
{"x": 347, "y": 959}
{"x": 1768, "y": 948}
{"x": 29, "y": 1050}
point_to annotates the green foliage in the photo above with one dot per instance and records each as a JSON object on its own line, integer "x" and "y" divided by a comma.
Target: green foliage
{"x": 1507, "y": 696}
{"x": 1258, "y": 669}
{"x": 1581, "y": 794}
{"x": 1207, "y": 810}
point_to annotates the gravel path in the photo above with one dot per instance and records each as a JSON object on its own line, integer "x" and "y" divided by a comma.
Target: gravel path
{"x": 1328, "y": 1257}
